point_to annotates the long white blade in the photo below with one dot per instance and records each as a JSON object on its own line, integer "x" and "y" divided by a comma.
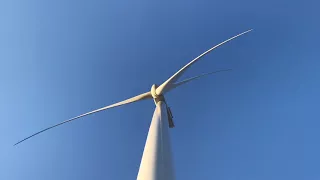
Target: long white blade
{"x": 173, "y": 78}
{"x": 146, "y": 95}
{"x": 174, "y": 85}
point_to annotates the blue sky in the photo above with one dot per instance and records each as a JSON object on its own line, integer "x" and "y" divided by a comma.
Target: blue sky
{"x": 62, "y": 58}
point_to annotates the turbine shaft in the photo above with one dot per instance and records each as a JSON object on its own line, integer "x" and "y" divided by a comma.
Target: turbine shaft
{"x": 174, "y": 77}
{"x": 143, "y": 96}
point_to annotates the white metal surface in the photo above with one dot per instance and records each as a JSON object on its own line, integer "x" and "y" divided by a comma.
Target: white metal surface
{"x": 156, "y": 162}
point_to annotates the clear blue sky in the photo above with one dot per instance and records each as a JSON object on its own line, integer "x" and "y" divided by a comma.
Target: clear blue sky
{"x": 62, "y": 58}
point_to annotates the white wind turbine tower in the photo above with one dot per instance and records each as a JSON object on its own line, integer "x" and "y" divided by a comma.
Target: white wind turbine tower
{"x": 156, "y": 162}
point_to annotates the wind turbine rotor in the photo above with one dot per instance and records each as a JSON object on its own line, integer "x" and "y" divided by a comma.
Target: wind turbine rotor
{"x": 155, "y": 93}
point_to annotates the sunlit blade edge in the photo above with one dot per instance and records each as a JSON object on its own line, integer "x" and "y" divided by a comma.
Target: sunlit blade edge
{"x": 174, "y": 77}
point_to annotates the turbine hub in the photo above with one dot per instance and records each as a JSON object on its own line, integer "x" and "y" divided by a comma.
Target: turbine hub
{"x": 153, "y": 91}
{"x": 155, "y": 96}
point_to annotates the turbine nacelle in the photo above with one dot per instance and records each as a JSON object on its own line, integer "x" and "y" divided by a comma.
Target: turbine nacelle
{"x": 155, "y": 96}
{"x": 158, "y": 98}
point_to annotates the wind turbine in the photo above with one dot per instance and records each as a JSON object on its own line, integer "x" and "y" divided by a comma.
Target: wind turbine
{"x": 156, "y": 162}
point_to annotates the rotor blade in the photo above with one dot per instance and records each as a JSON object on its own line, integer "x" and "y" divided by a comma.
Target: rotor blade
{"x": 174, "y": 85}
{"x": 173, "y": 78}
{"x": 146, "y": 95}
